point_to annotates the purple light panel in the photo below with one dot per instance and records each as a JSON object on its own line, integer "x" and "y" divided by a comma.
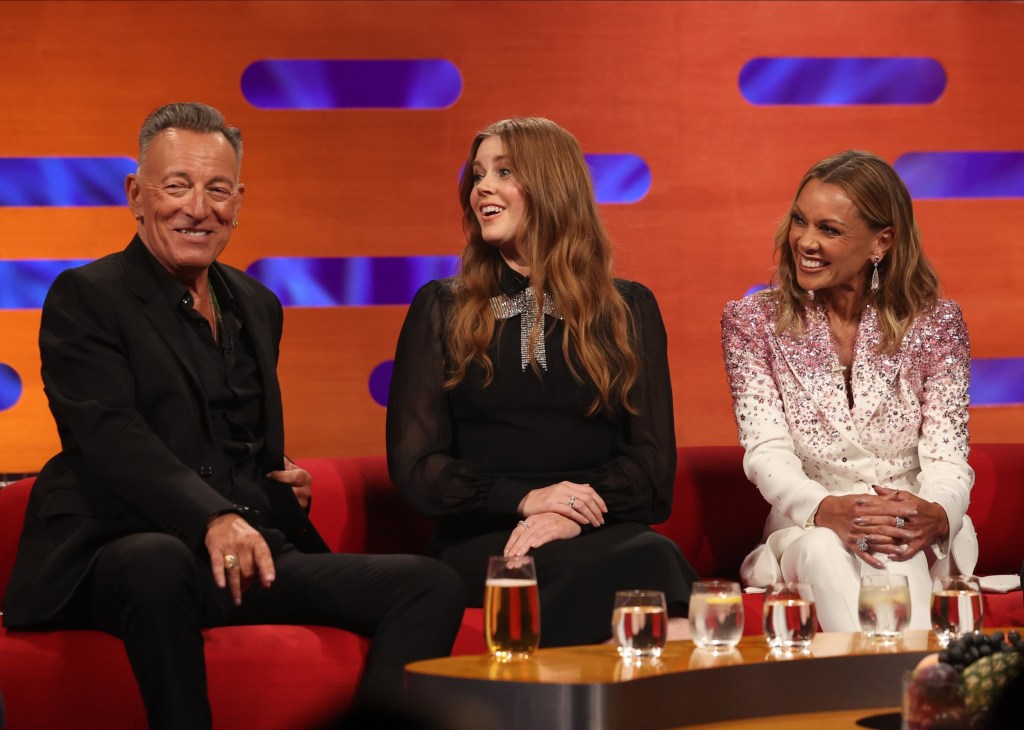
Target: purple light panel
{"x": 841, "y": 81}
{"x": 622, "y": 178}
{"x": 997, "y": 381}
{"x": 980, "y": 174}
{"x": 312, "y": 84}
{"x": 24, "y": 283}
{"x": 10, "y": 387}
{"x": 380, "y": 382}
{"x": 63, "y": 181}
{"x": 357, "y": 281}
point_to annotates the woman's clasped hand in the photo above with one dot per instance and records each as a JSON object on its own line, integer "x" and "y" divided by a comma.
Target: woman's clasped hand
{"x": 894, "y": 522}
{"x": 557, "y": 512}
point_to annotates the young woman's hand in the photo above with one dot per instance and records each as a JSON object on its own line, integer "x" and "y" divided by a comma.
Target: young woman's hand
{"x": 579, "y": 502}
{"x": 538, "y": 530}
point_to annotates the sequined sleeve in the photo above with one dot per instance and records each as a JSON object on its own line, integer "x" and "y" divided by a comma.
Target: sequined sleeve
{"x": 943, "y": 351}
{"x": 770, "y": 460}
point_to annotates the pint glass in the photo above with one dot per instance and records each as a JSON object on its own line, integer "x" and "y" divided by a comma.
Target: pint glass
{"x": 511, "y": 608}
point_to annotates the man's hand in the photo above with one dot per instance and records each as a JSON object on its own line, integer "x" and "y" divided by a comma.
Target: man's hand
{"x": 300, "y": 480}
{"x": 238, "y": 553}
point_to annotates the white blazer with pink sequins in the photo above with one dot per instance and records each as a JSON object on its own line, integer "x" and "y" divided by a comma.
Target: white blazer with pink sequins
{"x": 907, "y": 428}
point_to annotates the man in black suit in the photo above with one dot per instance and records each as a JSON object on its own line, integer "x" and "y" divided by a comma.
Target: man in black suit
{"x": 171, "y": 506}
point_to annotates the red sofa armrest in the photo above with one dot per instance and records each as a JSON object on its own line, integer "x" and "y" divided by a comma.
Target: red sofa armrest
{"x": 997, "y": 506}
{"x": 717, "y": 514}
{"x": 13, "y": 501}
{"x": 356, "y": 509}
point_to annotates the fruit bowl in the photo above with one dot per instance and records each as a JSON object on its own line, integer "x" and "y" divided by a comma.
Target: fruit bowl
{"x": 955, "y": 688}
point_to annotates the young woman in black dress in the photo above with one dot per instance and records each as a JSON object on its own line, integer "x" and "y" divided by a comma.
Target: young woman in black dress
{"x": 530, "y": 407}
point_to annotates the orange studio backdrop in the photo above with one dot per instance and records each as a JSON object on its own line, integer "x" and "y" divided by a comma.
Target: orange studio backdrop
{"x": 665, "y": 88}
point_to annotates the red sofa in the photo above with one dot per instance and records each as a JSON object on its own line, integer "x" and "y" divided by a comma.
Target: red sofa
{"x": 271, "y": 677}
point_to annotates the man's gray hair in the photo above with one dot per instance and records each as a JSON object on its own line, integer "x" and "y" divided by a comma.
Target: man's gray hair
{"x": 191, "y": 116}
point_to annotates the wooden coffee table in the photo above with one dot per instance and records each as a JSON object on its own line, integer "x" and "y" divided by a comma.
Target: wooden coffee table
{"x": 589, "y": 688}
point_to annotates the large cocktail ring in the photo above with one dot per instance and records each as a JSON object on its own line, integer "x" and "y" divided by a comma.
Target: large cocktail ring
{"x": 862, "y": 544}
{"x": 900, "y": 522}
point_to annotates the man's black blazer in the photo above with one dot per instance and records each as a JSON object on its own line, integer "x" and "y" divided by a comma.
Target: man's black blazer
{"x": 137, "y": 448}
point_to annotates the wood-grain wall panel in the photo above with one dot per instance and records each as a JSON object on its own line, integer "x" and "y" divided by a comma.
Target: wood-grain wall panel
{"x": 657, "y": 79}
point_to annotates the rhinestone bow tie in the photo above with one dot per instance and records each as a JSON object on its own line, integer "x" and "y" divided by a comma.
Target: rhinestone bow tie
{"x": 525, "y": 303}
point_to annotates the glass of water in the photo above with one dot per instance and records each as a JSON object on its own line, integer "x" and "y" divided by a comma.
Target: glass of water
{"x": 956, "y": 607}
{"x": 790, "y": 619}
{"x": 639, "y": 624}
{"x": 716, "y": 614}
{"x": 884, "y": 606}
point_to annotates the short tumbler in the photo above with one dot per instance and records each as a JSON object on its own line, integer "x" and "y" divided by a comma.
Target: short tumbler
{"x": 716, "y": 614}
{"x": 956, "y": 607}
{"x": 790, "y": 619}
{"x": 640, "y": 624}
{"x": 884, "y": 606}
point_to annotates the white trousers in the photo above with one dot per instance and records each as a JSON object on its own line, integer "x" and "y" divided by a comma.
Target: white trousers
{"x": 821, "y": 559}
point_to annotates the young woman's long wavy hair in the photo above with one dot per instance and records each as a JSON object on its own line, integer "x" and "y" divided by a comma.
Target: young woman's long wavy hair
{"x": 908, "y": 284}
{"x": 567, "y": 249}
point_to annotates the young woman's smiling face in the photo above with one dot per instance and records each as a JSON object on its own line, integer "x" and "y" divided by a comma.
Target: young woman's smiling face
{"x": 832, "y": 243}
{"x": 496, "y": 198}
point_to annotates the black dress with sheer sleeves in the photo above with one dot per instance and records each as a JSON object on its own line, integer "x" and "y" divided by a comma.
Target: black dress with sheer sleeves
{"x": 467, "y": 456}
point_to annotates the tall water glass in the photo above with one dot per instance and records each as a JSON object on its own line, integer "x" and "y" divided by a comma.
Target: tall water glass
{"x": 511, "y": 608}
{"x": 639, "y": 624}
{"x": 790, "y": 619}
{"x": 716, "y": 614}
{"x": 884, "y": 606}
{"x": 956, "y": 607}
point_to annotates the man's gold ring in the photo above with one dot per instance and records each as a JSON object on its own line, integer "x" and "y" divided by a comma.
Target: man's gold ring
{"x": 230, "y": 562}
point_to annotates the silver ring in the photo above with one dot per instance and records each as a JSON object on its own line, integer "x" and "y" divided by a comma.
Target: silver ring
{"x": 572, "y": 501}
{"x": 862, "y": 544}
{"x": 230, "y": 562}
{"x": 523, "y": 523}
{"x": 900, "y": 522}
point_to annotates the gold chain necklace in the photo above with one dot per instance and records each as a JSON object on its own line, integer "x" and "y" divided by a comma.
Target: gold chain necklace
{"x": 214, "y": 324}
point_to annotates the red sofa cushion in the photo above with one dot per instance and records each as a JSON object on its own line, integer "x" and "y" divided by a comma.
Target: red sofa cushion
{"x": 306, "y": 675}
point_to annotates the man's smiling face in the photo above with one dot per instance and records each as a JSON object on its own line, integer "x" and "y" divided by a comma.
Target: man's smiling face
{"x": 188, "y": 195}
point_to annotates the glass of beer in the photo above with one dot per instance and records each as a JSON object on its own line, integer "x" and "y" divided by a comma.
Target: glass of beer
{"x": 716, "y": 614}
{"x": 511, "y": 608}
{"x": 956, "y": 607}
{"x": 883, "y": 606}
{"x": 789, "y": 617}
{"x": 639, "y": 624}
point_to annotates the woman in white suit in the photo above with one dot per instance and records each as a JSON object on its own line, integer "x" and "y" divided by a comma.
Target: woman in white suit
{"x": 849, "y": 382}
